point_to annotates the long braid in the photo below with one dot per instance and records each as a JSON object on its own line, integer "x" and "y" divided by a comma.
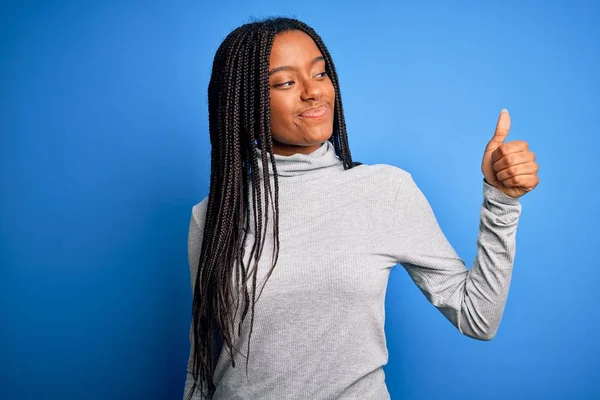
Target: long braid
{"x": 239, "y": 120}
{"x": 235, "y": 185}
{"x": 265, "y": 43}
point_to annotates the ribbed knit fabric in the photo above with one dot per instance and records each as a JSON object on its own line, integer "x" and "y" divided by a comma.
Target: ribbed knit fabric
{"x": 319, "y": 323}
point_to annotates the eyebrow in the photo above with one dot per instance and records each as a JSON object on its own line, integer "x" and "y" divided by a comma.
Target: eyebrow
{"x": 289, "y": 67}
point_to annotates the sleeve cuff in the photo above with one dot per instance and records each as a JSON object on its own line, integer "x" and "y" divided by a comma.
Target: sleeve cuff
{"x": 492, "y": 193}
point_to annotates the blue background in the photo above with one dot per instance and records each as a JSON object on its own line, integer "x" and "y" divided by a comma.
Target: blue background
{"x": 104, "y": 150}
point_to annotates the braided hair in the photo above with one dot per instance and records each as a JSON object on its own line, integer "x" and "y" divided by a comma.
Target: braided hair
{"x": 239, "y": 123}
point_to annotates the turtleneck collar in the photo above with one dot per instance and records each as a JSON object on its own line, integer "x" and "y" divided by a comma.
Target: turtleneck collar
{"x": 300, "y": 164}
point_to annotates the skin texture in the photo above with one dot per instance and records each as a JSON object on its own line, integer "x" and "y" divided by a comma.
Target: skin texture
{"x": 298, "y": 82}
{"x": 509, "y": 167}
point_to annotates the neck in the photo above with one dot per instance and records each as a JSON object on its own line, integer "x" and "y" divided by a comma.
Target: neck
{"x": 297, "y": 164}
{"x": 283, "y": 149}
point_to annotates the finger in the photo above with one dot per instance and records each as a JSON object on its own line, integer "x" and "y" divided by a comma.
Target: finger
{"x": 520, "y": 157}
{"x": 523, "y": 181}
{"x": 530, "y": 168}
{"x": 502, "y": 127}
{"x": 509, "y": 148}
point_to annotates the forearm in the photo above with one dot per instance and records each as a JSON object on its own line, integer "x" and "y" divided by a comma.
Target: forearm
{"x": 488, "y": 281}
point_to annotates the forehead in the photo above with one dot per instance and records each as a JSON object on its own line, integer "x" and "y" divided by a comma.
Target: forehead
{"x": 293, "y": 47}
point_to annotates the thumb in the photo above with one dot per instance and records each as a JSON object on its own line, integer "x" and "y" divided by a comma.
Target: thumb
{"x": 502, "y": 127}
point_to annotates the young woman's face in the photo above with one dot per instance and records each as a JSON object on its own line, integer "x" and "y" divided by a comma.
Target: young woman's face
{"x": 302, "y": 95}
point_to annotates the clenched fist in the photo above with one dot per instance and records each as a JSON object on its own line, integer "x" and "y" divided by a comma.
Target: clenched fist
{"x": 509, "y": 167}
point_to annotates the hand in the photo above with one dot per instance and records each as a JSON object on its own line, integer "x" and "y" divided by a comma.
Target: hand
{"x": 509, "y": 167}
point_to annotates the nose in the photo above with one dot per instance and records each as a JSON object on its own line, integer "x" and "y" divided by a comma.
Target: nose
{"x": 311, "y": 90}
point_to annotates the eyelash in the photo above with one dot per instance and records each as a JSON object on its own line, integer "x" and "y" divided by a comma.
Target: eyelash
{"x": 323, "y": 75}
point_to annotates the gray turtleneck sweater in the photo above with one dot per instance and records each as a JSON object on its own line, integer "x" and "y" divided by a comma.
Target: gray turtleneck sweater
{"x": 319, "y": 323}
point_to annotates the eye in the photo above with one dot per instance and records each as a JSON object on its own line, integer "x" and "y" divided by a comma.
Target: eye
{"x": 322, "y": 74}
{"x": 284, "y": 84}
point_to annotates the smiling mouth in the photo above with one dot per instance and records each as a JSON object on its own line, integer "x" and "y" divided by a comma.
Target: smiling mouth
{"x": 317, "y": 112}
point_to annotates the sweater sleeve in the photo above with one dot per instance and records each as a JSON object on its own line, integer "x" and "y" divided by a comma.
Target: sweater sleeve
{"x": 472, "y": 299}
{"x": 195, "y": 235}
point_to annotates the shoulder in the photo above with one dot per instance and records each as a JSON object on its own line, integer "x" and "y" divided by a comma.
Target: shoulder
{"x": 383, "y": 174}
{"x": 197, "y": 221}
{"x": 199, "y": 212}
{"x": 378, "y": 183}
{"x": 195, "y": 235}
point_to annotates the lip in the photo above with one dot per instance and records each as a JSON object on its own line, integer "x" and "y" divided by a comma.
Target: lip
{"x": 315, "y": 112}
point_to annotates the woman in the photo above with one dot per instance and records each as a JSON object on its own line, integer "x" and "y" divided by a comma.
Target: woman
{"x": 285, "y": 192}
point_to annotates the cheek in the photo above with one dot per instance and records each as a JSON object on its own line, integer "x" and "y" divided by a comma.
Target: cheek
{"x": 331, "y": 92}
{"x": 282, "y": 112}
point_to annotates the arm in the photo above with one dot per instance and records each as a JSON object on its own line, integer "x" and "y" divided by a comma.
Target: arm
{"x": 195, "y": 235}
{"x": 472, "y": 299}
{"x": 190, "y": 378}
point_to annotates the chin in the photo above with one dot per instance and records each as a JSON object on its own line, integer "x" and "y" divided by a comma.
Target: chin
{"x": 318, "y": 137}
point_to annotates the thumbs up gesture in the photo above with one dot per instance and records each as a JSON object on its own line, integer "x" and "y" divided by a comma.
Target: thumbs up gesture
{"x": 509, "y": 167}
